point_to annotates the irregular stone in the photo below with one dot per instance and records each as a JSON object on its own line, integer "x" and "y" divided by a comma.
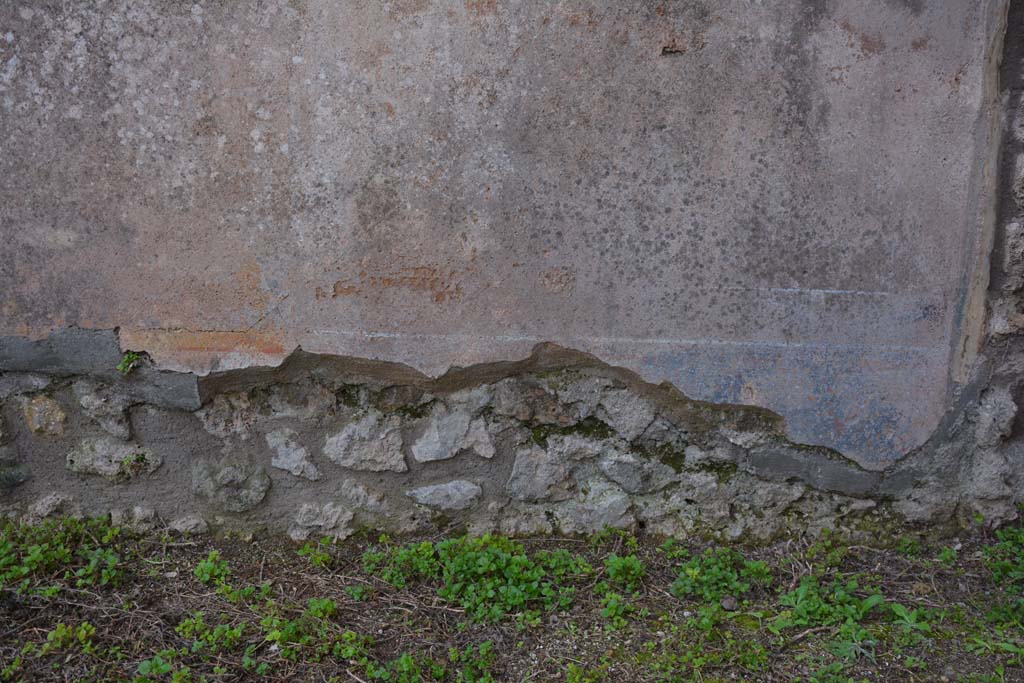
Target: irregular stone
{"x": 625, "y": 412}
{"x": 525, "y": 401}
{"x": 52, "y": 504}
{"x": 190, "y": 525}
{"x": 538, "y": 475}
{"x": 583, "y": 394}
{"x": 518, "y": 519}
{"x": 289, "y": 455}
{"x": 753, "y": 507}
{"x": 234, "y": 487}
{"x": 996, "y": 413}
{"x": 988, "y": 476}
{"x": 228, "y": 415}
{"x": 662, "y": 433}
{"x": 329, "y": 519}
{"x": 510, "y": 400}
{"x": 5, "y": 432}
{"x": 745, "y": 439}
{"x": 453, "y": 495}
{"x": 372, "y": 443}
{"x": 303, "y": 401}
{"x": 636, "y": 475}
{"x": 696, "y": 457}
{"x": 12, "y": 471}
{"x": 15, "y": 383}
{"x": 470, "y": 400}
{"x": 478, "y": 439}
{"x": 443, "y": 433}
{"x": 44, "y": 416}
{"x": 113, "y": 459}
{"x": 599, "y": 505}
{"x": 567, "y": 447}
{"x": 140, "y": 518}
{"x": 360, "y": 497}
{"x": 107, "y": 409}
{"x": 448, "y": 432}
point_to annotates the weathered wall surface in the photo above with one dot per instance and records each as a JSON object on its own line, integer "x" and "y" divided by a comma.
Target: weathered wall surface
{"x": 766, "y": 203}
{"x": 784, "y": 205}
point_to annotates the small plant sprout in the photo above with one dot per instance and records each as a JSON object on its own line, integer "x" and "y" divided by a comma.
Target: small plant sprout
{"x": 129, "y": 361}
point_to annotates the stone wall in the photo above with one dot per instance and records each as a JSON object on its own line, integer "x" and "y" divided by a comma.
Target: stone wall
{"x": 720, "y": 268}
{"x": 559, "y": 442}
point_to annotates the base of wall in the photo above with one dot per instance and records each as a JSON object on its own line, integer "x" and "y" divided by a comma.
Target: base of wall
{"x": 560, "y": 442}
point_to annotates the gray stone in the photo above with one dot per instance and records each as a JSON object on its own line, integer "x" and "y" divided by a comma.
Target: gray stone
{"x": 233, "y": 487}
{"x": 478, "y": 439}
{"x": 820, "y": 470}
{"x": 627, "y": 413}
{"x": 442, "y": 434}
{"x": 538, "y": 475}
{"x": 12, "y": 471}
{"x": 996, "y": 413}
{"x": 600, "y": 505}
{"x": 190, "y": 525}
{"x": 52, "y": 504}
{"x": 15, "y": 383}
{"x": 636, "y": 475}
{"x": 528, "y": 401}
{"x": 107, "y": 409}
{"x": 289, "y": 454}
{"x": 305, "y": 401}
{"x": 448, "y": 432}
{"x": 112, "y": 459}
{"x": 372, "y": 443}
{"x": 66, "y": 351}
{"x": 360, "y": 497}
{"x": 523, "y": 519}
{"x": 453, "y": 495}
{"x": 582, "y": 393}
{"x": 510, "y": 399}
{"x": 329, "y": 519}
{"x": 988, "y": 477}
{"x": 5, "y": 431}
{"x": 568, "y": 447}
{"x": 227, "y": 415}
{"x": 471, "y": 400}
{"x": 44, "y": 416}
{"x": 139, "y": 518}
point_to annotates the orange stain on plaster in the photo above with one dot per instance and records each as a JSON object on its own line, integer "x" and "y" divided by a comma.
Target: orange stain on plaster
{"x": 201, "y": 349}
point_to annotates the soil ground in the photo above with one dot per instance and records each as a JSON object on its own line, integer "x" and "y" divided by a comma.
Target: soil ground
{"x": 81, "y": 601}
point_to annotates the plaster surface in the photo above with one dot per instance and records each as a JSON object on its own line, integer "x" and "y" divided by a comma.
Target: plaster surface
{"x": 771, "y": 203}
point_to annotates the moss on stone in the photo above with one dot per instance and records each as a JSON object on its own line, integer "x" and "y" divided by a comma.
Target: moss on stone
{"x": 590, "y": 427}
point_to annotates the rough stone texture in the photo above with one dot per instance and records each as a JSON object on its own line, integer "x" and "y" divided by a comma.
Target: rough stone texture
{"x": 44, "y": 415}
{"x": 373, "y": 443}
{"x": 113, "y": 459}
{"x": 995, "y": 417}
{"x": 190, "y": 525}
{"x": 290, "y": 455}
{"x": 538, "y": 474}
{"x": 635, "y": 474}
{"x": 680, "y": 188}
{"x": 233, "y": 487}
{"x": 453, "y": 495}
{"x": 12, "y": 471}
{"x": 106, "y": 407}
{"x": 329, "y": 519}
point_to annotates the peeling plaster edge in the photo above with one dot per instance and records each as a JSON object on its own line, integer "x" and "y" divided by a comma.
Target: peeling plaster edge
{"x": 971, "y": 311}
